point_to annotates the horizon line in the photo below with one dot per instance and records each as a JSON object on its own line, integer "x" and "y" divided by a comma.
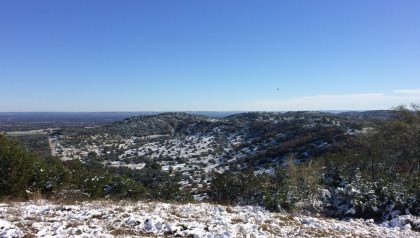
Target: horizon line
{"x": 186, "y": 111}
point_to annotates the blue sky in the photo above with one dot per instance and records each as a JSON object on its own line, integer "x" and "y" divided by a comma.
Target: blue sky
{"x": 79, "y": 55}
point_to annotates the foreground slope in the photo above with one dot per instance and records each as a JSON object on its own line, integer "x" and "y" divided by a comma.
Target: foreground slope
{"x": 107, "y": 219}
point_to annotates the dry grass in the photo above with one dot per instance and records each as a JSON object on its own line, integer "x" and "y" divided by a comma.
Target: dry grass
{"x": 229, "y": 209}
{"x": 123, "y": 232}
{"x": 175, "y": 212}
{"x": 29, "y": 235}
{"x": 73, "y": 224}
{"x": 237, "y": 220}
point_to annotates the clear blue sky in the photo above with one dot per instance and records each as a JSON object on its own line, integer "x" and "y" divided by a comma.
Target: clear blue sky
{"x": 79, "y": 55}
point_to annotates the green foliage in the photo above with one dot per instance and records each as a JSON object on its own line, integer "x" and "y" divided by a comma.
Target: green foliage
{"x": 380, "y": 177}
{"x": 225, "y": 188}
{"x": 119, "y": 187}
{"x": 240, "y": 188}
{"x": 294, "y": 183}
{"x": 124, "y": 183}
{"x": 16, "y": 168}
{"x": 49, "y": 174}
{"x": 21, "y": 173}
{"x": 159, "y": 184}
{"x": 278, "y": 197}
{"x": 359, "y": 197}
{"x": 169, "y": 191}
{"x": 123, "y": 187}
{"x": 35, "y": 144}
{"x": 279, "y": 191}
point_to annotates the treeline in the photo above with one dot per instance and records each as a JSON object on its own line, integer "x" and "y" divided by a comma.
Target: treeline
{"x": 378, "y": 177}
{"x": 23, "y": 175}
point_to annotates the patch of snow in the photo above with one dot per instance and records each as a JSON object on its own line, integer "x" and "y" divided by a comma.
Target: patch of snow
{"x": 140, "y": 219}
{"x": 7, "y": 229}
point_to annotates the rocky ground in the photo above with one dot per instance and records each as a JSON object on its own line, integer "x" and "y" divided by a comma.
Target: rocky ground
{"x": 125, "y": 219}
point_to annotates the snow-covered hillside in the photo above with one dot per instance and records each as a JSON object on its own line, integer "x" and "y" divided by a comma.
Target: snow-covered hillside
{"x": 124, "y": 219}
{"x": 193, "y": 148}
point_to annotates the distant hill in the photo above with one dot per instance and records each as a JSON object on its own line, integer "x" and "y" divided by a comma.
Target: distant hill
{"x": 370, "y": 115}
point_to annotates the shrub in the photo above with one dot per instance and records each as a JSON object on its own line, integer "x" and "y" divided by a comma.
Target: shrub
{"x": 358, "y": 197}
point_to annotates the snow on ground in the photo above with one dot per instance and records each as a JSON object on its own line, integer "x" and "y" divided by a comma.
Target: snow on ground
{"x": 118, "y": 164}
{"x": 9, "y": 230}
{"x": 125, "y": 219}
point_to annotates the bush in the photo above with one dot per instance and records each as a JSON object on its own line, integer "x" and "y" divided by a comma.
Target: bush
{"x": 292, "y": 186}
{"x": 122, "y": 187}
{"x": 240, "y": 188}
{"x": 49, "y": 174}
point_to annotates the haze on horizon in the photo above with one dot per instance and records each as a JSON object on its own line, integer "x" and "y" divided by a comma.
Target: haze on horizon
{"x": 81, "y": 56}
